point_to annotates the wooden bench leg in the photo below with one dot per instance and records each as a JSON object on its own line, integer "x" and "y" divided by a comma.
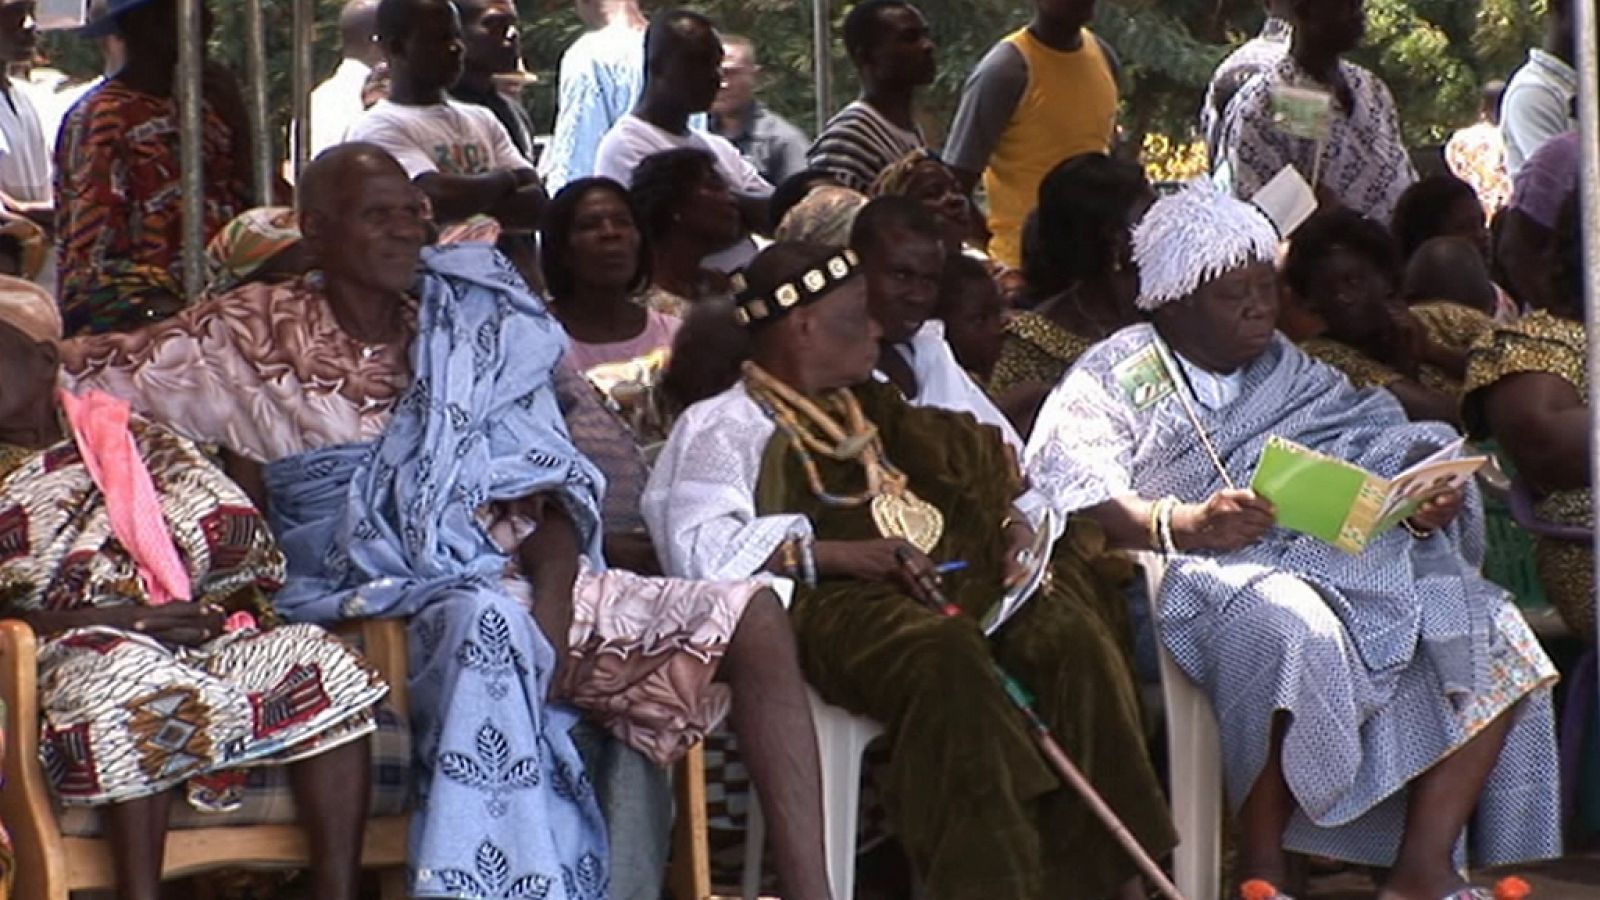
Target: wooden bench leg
{"x": 690, "y": 874}
{"x": 392, "y": 884}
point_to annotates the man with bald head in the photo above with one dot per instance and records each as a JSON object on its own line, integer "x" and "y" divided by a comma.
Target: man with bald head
{"x": 416, "y": 474}
{"x": 458, "y": 154}
{"x": 336, "y": 103}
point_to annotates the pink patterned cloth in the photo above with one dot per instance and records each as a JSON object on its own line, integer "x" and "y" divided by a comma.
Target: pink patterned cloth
{"x": 100, "y": 429}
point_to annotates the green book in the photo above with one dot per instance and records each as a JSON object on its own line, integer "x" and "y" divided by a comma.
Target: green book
{"x": 1345, "y": 505}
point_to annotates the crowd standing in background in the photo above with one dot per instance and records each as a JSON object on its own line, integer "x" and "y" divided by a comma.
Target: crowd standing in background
{"x": 568, "y": 405}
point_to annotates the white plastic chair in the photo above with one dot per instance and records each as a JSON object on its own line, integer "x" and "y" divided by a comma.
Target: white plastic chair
{"x": 1194, "y": 762}
{"x": 842, "y": 738}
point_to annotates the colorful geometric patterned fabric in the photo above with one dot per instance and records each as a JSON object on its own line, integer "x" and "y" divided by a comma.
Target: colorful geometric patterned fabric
{"x": 120, "y": 203}
{"x": 126, "y": 716}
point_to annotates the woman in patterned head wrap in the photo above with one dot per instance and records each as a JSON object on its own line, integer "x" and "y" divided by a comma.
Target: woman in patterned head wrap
{"x": 261, "y": 244}
{"x": 140, "y": 567}
{"x": 824, "y": 217}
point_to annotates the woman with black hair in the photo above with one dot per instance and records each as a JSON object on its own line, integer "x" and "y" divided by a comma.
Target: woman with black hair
{"x": 1343, "y": 308}
{"x": 1528, "y": 388}
{"x": 687, "y": 213}
{"x": 1438, "y": 206}
{"x": 1080, "y": 280}
{"x": 596, "y": 262}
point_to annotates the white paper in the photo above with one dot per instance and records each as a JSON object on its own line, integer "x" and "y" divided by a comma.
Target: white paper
{"x": 56, "y": 15}
{"x": 1287, "y": 200}
{"x": 1015, "y": 598}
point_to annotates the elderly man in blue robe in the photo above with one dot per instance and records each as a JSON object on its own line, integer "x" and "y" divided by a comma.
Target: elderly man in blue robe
{"x": 1376, "y": 708}
{"x": 407, "y": 406}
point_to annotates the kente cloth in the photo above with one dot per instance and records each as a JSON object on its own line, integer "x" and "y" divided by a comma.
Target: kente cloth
{"x": 120, "y": 204}
{"x": 415, "y": 524}
{"x": 125, "y": 716}
{"x": 1545, "y": 344}
{"x": 1386, "y": 662}
{"x": 1363, "y": 160}
{"x": 875, "y": 651}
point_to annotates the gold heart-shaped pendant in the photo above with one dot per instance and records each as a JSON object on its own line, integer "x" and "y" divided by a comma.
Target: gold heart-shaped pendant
{"x": 907, "y": 516}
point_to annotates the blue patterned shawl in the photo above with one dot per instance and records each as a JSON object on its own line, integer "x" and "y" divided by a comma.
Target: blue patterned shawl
{"x": 375, "y": 530}
{"x": 1396, "y": 594}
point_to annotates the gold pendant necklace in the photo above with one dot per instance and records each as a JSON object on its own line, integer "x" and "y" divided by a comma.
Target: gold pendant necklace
{"x": 897, "y": 512}
{"x": 907, "y": 516}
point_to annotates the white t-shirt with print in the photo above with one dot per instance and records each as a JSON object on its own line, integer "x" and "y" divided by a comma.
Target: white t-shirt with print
{"x": 451, "y": 138}
{"x": 633, "y": 139}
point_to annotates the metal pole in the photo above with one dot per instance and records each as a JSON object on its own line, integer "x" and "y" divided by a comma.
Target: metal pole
{"x": 304, "y": 19}
{"x": 822, "y": 58}
{"x": 191, "y": 56}
{"x": 1588, "y": 57}
{"x": 255, "y": 45}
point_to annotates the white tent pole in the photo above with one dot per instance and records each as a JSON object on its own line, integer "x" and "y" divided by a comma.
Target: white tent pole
{"x": 822, "y": 58}
{"x": 304, "y": 22}
{"x": 191, "y": 57}
{"x": 1588, "y": 59}
{"x": 255, "y": 41}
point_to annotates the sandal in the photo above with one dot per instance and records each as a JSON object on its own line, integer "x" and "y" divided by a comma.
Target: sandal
{"x": 1511, "y": 888}
{"x": 1261, "y": 889}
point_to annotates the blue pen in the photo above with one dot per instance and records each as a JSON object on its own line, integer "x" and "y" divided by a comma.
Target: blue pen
{"x": 953, "y": 566}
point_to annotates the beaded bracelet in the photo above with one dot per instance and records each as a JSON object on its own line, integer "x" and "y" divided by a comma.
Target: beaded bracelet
{"x": 1169, "y": 546}
{"x": 808, "y": 560}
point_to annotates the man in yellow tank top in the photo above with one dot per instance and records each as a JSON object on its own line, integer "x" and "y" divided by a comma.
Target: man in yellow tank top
{"x": 1042, "y": 95}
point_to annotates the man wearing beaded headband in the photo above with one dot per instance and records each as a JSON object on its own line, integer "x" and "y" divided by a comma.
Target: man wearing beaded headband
{"x": 1371, "y": 702}
{"x": 810, "y": 469}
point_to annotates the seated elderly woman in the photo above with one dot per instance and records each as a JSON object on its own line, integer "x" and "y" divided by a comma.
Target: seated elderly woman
{"x": 1342, "y": 274}
{"x": 1528, "y": 388}
{"x": 142, "y": 569}
{"x": 1370, "y": 704}
{"x": 688, "y": 215}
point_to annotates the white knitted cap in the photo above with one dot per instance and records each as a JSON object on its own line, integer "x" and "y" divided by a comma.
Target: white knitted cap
{"x": 1194, "y": 236}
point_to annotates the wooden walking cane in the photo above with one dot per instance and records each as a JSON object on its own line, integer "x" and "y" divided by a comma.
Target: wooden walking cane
{"x": 1023, "y": 701}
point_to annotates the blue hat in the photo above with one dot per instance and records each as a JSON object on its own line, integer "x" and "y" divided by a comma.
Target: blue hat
{"x": 103, "y": 16}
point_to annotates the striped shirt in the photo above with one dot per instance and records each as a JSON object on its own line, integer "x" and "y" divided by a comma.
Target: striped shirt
{"x": 859, "y": 143}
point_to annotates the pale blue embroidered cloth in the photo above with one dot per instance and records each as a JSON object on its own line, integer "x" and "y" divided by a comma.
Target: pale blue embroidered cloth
{"x": 1385, "y": 662}
{"x": 392, "y": 529}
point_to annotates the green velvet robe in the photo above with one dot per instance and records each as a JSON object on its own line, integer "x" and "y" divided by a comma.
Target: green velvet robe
{"x": 975, "y": 804}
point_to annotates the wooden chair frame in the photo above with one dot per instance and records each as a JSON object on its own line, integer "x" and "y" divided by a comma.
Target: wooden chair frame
{"x": 50, "y": 864}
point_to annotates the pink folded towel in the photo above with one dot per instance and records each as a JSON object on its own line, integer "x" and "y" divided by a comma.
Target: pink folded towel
{"x": 100, "y": 428}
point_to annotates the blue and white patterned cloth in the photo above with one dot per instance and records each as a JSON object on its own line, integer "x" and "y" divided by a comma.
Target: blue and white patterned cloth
{"x": 392, "y": 529}
{"x": 1363, "y": 160}
{"x": 1386, "y": 662}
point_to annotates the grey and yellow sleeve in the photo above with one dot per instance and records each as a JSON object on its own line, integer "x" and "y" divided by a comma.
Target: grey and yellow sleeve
{"x": 990, "y": 97}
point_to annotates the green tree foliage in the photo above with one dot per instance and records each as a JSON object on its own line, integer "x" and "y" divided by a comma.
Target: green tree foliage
{"x": 1434, "y": 54}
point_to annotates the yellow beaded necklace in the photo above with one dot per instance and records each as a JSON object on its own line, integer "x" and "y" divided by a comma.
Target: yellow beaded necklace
{"x": 896, "y": 511}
